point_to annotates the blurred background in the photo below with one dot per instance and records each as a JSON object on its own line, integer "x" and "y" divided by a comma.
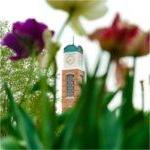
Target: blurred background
{"x": 134, "y": 11}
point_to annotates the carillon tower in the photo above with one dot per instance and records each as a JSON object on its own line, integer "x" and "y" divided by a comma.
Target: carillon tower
{"x": 72, "y": 75}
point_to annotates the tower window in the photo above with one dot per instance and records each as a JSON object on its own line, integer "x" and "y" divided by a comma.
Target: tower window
{"x": 70, "y": 85}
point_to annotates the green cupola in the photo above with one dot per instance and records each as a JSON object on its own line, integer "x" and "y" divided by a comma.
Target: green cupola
{"x": 73, "y": 48}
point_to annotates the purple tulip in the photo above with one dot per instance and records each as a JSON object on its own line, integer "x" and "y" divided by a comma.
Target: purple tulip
{"x": 25, "y": 39}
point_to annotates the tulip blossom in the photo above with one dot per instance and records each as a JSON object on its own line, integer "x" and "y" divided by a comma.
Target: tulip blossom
{"x": 25, "y": 39}
{"x": 90, "y": 9}
{"x": 122, "y": 39}
{"x": 138, "y": 46}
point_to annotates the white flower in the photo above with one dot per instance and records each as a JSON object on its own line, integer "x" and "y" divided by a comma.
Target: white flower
{"x": 90, "y": 9}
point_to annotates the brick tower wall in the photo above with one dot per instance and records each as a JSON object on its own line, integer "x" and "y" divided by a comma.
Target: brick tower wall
{"x": 68, "y": 102}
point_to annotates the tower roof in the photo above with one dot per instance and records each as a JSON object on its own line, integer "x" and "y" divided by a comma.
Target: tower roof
{"x": 73, "y": 48}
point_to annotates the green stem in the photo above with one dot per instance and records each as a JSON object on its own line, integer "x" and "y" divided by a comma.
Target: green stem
{"x": 105, "y": 79}
{"x": 98, "y": 64}
{"x": 134, "y": 73}
{"x": 55, "y": 87}
{"x": 54, "y": 63}
{"x": 29, "y": 81}
{"x": 63, "y": 27}
{"x": 134, "y": 65}
{"x": 142, "y": 93}
{"x": 108, "y": 67}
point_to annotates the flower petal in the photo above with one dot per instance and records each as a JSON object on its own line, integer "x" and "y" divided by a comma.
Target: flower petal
{"x": 145, "y": 46}
{"x": 77, "y": 27}
{"x": 94, "y": 9}
{"x": 30, "y": 28}
{"x": 63, "y": 4}
{"x": 116, "y": 21}
{"x": 11, "y": 41}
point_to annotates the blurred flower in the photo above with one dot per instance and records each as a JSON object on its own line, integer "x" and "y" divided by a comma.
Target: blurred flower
{"x": 25, "y": 39}
{"x": 90, "y": 9}
{"x": 122, "y": 39}
{"x": 137, "y": 46}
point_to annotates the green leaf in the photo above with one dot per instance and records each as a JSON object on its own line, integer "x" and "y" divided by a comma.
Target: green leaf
{"x": 127, "y": 98}
{"x": 47, "y": 116}
{"x": 135, "y": 126}
{"x": 11, "y": 143}
{"x": 28, "y": 130}
{"x": 37, "y": 87}
{"x": 7, "y": 128}
{"x": 25, "y": 126}
{"x": 81, "y": 126}
{"x": 108, "y": 97}
{"x": 136, "y": 132}
{"x": 109, "y": 131}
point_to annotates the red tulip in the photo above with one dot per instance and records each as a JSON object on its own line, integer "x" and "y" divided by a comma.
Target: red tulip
{"x": 122, "y": 39}
{"x": 137, "y": 46}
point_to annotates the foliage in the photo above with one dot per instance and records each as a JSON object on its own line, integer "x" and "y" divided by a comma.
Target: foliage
{"x": 21, "y": 76}
{"x": 3, "y": 28}
{"x": 90, "y": 124}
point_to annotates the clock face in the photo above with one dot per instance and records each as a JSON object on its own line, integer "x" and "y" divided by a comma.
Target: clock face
{"x": 70, "y": 59}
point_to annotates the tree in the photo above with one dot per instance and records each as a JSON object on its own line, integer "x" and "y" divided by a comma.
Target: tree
{"x": 20, "y": 76}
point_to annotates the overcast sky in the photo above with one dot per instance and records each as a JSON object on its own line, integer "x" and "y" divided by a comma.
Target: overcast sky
{"x": 135, "y": 11}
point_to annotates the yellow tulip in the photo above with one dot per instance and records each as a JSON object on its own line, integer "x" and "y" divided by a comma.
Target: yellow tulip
{"x": 90, "y": 9}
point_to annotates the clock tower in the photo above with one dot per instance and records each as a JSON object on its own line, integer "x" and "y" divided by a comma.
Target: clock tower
{"x": 72, "y": 75}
